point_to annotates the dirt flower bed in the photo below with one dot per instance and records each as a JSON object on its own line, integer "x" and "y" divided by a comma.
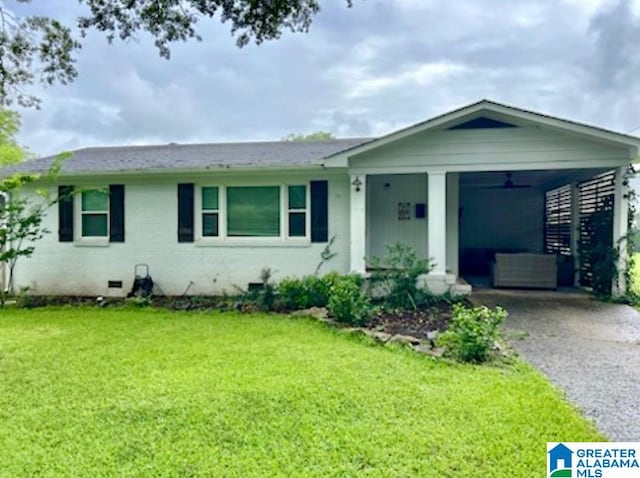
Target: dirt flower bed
{"x": 420, "y": 323}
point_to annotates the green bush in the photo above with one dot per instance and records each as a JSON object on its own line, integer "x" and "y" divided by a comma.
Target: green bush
{"x": 396, "y": 275}
{"x": 309, "y": 291}
{"x": 139, "y": 301}
{"x": 348, "y": 303}
{"x": 265, "y": 296}
{"x": 472, "y": 333}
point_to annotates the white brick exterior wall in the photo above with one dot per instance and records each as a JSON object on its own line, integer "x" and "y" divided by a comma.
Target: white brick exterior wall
{"x": 151, "y": 238}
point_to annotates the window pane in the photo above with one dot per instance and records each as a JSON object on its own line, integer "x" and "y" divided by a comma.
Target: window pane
{"x": 253, "y": 211}
{"x": 95, "y": 200}
{"x": 94, "y": 225}
{"x": 297, "y": 197}
{"x": 210, "y": 224}
{"x": 210, "y": 198}
{"x": 297, "y": 226}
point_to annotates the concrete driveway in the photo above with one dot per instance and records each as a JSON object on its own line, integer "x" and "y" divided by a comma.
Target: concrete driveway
{"x": 588, "y": 348}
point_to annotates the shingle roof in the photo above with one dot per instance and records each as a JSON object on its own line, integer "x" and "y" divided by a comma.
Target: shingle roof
{"x": 190, "y": 157}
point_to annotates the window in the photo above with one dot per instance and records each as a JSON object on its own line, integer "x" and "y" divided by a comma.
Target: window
{"x": 297, "y": 199}
{"x": 210, "y": 212}
{"x": 227, "y": 212}
{"x": 93, "y": 216}
{"x": 253, "y": 211}
{"x": 95, "y": 213}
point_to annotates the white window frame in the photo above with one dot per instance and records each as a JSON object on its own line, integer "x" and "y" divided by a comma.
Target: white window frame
{"x": 201, "y": 211}
{"x": 224, "y": 239}
{"x": 91, "y": 240}
{"x": 304, "y": 210}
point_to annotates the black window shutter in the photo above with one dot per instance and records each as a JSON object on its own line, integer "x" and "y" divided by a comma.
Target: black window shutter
{"x": 319, "y": 211}
{"x": 185, "y": 212}
{"x": 116, "y": 213}
{"x": 65, "y": 213}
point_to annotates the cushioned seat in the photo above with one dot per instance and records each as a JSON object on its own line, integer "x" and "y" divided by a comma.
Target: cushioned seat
{"x": 525, "y": 270}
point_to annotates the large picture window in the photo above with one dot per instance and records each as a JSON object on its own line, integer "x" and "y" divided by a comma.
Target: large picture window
{"x": 260, "y": 214}
{"x": 95, "y": 213}
{"x": 253, "y": 211}
{"x": 261, "y": 211}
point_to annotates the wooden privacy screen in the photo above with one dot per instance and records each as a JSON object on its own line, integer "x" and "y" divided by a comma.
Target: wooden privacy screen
{"x": 596, "y": 198}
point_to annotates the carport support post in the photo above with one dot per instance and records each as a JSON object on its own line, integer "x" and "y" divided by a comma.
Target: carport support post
{"x": 453, "y": 220}
{"x": 620, "y": 225}
{"x": 575, "y": 231}
{"x": 358, "y": 222}
{"x": 437, "y": 205}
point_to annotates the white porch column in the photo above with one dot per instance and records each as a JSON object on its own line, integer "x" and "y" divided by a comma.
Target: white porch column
{"x": 620, "y": 225}
{"x": 575, "y": 231}
{"x": 358, "y": 221}
{"x": 437, "y": 206}
{"x": 453, "y": 204}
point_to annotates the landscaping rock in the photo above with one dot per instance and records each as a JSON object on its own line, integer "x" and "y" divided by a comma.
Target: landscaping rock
{"x": 404, "y": 339}
{"x": 422, "y": 348}
{"x": 318, "y": 313}
{"x": 353, "y": 330}
{"x": 182, "y": 305}
{"x": 428, "y": 350}
{"x": 378, "y": 335}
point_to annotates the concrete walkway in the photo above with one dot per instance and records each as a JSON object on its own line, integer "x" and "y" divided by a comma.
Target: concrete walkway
{"x": 588, "y": 348}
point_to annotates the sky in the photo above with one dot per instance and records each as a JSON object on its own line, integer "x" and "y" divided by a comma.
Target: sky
{"x": 361, "y": 71}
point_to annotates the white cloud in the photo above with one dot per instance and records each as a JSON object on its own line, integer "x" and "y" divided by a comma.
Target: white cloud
{"x": 361, "y": 84}
{"x": 366, "y": 70}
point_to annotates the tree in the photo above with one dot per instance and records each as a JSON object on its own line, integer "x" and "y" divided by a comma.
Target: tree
{"x": 21, "y": 218}
{"x": 10, "y": 151}
{"x": 310, "y": 137}
{"x": 42, "y": 48}
{"x": 21, "y": 215}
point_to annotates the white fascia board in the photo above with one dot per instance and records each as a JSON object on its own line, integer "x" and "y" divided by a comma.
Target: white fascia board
{"x": 593, "y": 132}
{"x": 485, "y": 106}
{"x": 341, "y": 159}
{"x": 182, "y": 172}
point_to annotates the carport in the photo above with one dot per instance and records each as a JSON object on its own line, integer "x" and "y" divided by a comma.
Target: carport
{"x": 569, "y": 213}
{"x": 450, "y": 187}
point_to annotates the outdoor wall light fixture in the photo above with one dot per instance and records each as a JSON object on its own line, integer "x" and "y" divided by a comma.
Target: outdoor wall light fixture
{"x": 387, "y": 186}
{"x": 356, "y": 183}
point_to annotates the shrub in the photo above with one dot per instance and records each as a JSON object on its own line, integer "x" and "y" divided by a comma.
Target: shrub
{"x": 309, "y": 291}
{"x": 139, "y": 301}
{"x": 267, "y": 293}
{"x": 472, "y": 333}
{"x": 397, "y": 274}
{"x": 348, "y": 303}
{"x": 24, "y": 300}
{"x": 258, "y": 295}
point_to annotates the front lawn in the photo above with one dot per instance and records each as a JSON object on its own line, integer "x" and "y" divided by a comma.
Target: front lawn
{"x": 104, "y": 392}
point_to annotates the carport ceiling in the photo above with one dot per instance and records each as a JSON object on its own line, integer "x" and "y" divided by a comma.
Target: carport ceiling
{"x": 542, "y": 179}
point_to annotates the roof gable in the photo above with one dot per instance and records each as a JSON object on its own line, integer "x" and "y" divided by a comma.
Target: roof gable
{"x": 489, "y": 114}
{"x": 482, "y": 122}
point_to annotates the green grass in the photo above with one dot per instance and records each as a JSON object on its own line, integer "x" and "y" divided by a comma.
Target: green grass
{"x": 104, "y": 392}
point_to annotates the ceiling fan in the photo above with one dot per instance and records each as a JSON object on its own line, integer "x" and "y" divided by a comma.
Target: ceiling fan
{"x": 508, "y": 184}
